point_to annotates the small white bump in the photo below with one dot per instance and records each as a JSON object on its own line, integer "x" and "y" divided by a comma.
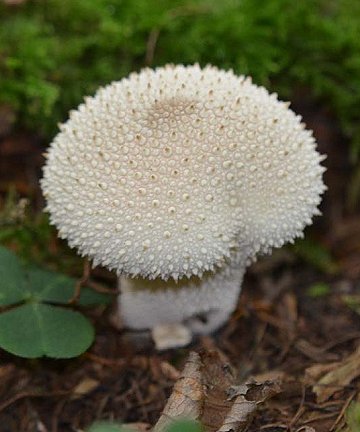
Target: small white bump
{"x": 229, "y": 176}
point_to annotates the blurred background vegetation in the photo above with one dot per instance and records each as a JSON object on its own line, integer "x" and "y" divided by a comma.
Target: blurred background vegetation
{"x": 53, "y": 52}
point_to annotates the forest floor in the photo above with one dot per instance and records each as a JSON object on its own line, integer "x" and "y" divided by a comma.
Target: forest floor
{"x": 296, "y": 328}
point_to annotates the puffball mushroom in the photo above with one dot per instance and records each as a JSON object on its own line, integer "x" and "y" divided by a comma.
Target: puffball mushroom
{"x": 176, "y": 178}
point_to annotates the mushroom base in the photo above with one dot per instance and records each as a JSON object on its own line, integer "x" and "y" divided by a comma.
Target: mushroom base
{"x": 199, "y": 305}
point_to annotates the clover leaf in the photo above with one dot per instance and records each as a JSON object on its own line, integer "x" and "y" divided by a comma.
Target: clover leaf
{"x": 36, "y": 325}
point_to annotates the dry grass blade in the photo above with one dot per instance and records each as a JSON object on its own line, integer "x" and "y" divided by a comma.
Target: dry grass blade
{"x": 239, "y": 416}
{"x": 329, "y": 378}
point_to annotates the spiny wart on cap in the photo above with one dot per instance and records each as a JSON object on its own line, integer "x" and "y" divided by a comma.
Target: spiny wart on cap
{"x": 164, "y": 173}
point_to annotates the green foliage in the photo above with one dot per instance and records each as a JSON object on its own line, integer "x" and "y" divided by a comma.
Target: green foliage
{"x": 36, "y": 326}
{"x": 36, "y": 329}
{"x": 352, "y": 301}
{"x": 53, "y": 52}
{"x": 185, "y": 426}
{"x": 106, "y": 427}
{"x": 315, "y": 254}
{"x": 177, "y": 426}
{"x": 353, "y": 417}
{"x": 317, "y": 290}
{"x": 35, "y": 241}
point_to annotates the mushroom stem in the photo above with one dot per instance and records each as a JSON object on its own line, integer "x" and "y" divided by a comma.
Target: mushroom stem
{"x": 200, "y": 304}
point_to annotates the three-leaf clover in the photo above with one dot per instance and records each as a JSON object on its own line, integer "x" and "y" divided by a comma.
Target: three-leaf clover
{"x": 36, "y": 325}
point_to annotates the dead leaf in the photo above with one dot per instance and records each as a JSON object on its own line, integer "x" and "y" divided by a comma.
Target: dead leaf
{"x": 315, "y": 372}
{"x": 244, "y": 406}
{"x": 272, "y": 375}
{"x": 84, "y": 387}
{"x": 187, "y": 396}
{"x": 217, "y": 379}
{"x": 260, "y": 392}
{"x": 240, "y": 415}
{"x": 206, "y": 392}
{"x": 332, "y": 377}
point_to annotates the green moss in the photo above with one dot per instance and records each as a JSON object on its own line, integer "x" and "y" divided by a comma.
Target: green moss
{"x": 53, "y": 52}
{"x": 34, "y": 240}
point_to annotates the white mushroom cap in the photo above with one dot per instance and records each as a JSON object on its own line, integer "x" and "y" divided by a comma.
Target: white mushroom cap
{"x": 163, "y": 173}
